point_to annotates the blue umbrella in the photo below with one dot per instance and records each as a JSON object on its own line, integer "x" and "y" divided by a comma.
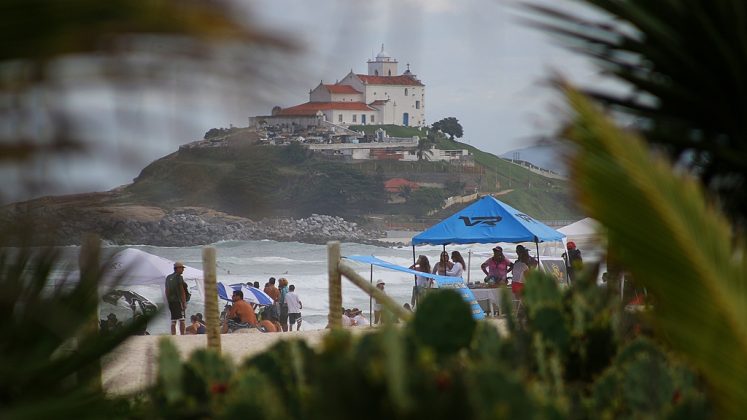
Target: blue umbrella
{"x": 251, "y": 294}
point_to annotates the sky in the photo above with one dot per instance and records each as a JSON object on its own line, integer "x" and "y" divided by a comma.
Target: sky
{"x": 479, "y": 62}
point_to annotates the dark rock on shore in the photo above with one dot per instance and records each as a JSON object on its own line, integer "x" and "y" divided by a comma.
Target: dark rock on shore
{"x": 66, "y": 224}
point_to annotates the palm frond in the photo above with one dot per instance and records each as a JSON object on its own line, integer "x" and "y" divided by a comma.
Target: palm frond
{"x": 684, "y": 63}
{"x": 662, "y": 229}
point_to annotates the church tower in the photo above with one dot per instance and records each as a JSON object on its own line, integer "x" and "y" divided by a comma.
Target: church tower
{"x": 383, "y": 65}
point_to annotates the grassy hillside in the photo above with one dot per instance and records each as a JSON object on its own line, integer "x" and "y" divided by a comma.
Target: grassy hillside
{"x": 259, "y": 181}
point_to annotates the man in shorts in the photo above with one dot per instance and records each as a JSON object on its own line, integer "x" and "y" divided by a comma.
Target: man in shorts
{"x": 241, "y": 314}
{"x": 294, "y": 308}
{"x": 176, "y": 298}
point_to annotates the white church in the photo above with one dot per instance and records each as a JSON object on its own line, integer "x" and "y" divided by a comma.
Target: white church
{"x": 380, "y": 97}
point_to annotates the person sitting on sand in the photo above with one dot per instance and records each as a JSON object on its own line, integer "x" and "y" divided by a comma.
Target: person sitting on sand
{"x": 347, "y": 321}
{"x": 195, "y": 327}
{"x": 358, "y": 319}
{"x": 241, "y": 314}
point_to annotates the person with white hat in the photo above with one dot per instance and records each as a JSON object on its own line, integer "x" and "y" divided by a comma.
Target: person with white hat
{"x": 377, "y": 306}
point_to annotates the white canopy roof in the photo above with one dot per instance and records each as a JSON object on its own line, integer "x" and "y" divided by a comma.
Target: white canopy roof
{"x": 135, "y": 267}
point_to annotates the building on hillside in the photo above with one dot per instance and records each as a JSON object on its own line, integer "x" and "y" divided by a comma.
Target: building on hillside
{"x": 380, "y": 97}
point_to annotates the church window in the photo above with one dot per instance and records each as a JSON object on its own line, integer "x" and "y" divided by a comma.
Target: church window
{"x": 355, "y": 116}
{"x": 417, "y": 104}
{"x": 405, "y": 91}
{"x": 339, "y": 118}
{"x": 390, "y": 72}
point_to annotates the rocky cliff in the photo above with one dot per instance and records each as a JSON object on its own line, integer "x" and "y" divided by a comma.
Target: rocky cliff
{"x": 65, "y": 221}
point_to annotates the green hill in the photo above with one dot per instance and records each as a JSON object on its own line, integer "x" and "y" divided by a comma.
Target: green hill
{"x": 260, "y": 181}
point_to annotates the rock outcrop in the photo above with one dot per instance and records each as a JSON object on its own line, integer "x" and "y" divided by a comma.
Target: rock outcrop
{"x": 184, "y": 226}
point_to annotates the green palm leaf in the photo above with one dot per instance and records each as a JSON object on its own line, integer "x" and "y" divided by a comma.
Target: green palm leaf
{"x": 684, "y": 63}
{"x": 673, "y": 242}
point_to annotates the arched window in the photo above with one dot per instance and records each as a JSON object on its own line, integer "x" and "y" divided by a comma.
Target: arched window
{"x": 405, "y": 91}
{"x": 390, "y": 72}
{"x": 376, "y": 72}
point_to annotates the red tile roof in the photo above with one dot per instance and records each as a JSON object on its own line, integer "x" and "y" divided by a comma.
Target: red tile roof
{"x": 341, "y": 89}
{"x": 390, "y": 80}
{"x": 311, "y": 108}
{"x": 394, "y": 184}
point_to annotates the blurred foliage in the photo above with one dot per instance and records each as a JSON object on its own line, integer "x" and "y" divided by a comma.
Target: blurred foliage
{"x": 51, "y": 51}
{"x": 698, "y": 274}
{"x": 567, "y": 359}
{"x": 684, "y": 75}
{"x": 51, "y": 346}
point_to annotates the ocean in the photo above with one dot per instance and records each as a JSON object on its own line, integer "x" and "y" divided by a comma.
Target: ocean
{"x": 304, "y": 265}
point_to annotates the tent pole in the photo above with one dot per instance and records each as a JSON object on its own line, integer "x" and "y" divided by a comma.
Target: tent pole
{"x": 469, "y": 264}
{"x": 415, "y": 284}
{"x": 370, "y": 299}
{"x": 537, "y": 246}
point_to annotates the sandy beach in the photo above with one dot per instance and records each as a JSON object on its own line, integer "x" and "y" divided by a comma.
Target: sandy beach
{"x": 132, "y": 366}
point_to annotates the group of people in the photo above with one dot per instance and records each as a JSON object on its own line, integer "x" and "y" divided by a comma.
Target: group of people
{"x": 354, "y": 318}
{"x": 286, "y": 307}
{"x": 497, "y": 267}
{"x": 452, "y": 267}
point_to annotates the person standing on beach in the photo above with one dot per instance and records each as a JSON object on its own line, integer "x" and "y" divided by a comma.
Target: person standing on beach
{"x": 377, "y": 306}
{"x": 294, "y": 308}
{"x": 271, "y": 290}
{"x": 532, "y": 262}
{"x": 573, "y": 260}
{"x": 282, "y": 304}
{"x": 458, "y": 266}
{"x": 421, "y": 283}
{"x": 176, "y": 297}
{"x": 443, "y": 265}
{"x": 496, "y": 268}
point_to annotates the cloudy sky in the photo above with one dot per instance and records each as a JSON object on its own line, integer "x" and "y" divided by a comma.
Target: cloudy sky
{"x": 479, "y": 63}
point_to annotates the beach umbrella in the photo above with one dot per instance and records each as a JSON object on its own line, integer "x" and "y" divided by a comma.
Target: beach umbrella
{"x": 251, "y": 294}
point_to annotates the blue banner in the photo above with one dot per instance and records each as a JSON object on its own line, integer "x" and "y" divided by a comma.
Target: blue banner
{"x": 444, "y": 282}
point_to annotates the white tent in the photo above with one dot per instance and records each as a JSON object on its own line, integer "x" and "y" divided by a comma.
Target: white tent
{"x": 585, "y": 231}
{"x": 133, "y": 267}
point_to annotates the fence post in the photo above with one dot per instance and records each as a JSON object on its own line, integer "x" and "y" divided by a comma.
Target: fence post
{"x": 335, "y": 285}
{"x": 212, "y": 317}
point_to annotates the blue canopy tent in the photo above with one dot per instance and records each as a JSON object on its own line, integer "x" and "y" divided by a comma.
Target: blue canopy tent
{"x": 444, "y": 282}
{"x": 485, "y": 221}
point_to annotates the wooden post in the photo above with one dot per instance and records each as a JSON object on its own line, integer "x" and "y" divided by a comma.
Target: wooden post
{"x": 212, "y": 317}
{"x": 90, "y": 270}
{"x": 335, "y": 285}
